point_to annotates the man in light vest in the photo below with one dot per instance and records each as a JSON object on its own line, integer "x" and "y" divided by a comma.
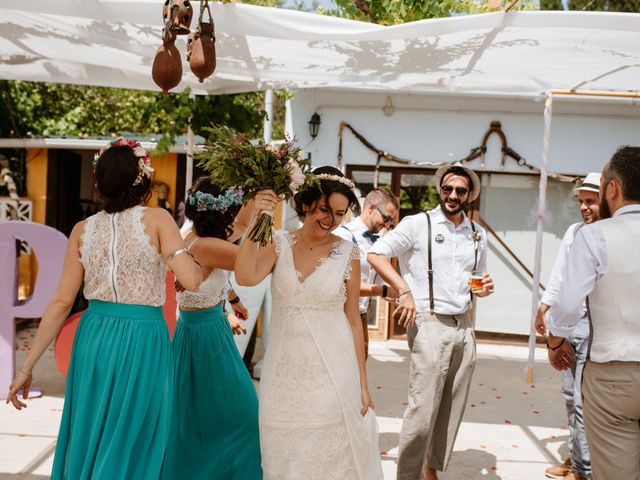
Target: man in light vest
{"x": 577, "y": 466}
{"x": 603, "y": 265}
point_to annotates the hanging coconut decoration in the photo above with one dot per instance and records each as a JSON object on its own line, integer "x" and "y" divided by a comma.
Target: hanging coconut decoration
{"x": 201, "y": 46}
{"x": 167, "y": 67}
{"x": 201, "y": 50}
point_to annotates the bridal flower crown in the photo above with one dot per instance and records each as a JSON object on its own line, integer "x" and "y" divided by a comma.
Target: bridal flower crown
{"x": 207, "y": 202}
{"x": 144, "y": 160}
{"x": 336, "y": 178}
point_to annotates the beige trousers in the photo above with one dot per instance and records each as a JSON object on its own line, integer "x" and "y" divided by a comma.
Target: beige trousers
{"x": 611, "y": 404}
{"x": 443, "y": 356}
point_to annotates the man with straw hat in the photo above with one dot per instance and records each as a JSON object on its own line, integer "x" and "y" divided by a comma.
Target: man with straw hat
{"x": 577, "y": 466}
{"x": 438, "y": 251}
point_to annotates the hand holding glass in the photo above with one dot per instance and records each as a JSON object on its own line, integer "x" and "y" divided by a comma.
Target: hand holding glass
{"x": 476, "y": 281}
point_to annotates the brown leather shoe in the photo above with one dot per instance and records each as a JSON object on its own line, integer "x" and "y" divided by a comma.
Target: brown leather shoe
{"x": 559, "y": 471}
{"x": 573, "y": 475}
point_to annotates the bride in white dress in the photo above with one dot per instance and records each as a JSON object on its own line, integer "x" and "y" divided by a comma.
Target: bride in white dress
{"x": 316, "y": 413}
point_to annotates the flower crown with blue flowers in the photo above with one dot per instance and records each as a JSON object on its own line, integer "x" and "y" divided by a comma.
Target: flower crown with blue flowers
{"x": 207, "y": 202}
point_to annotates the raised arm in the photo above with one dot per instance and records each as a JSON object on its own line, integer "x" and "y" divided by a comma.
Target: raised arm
{"x": 54, "y": 316}
{"x": 215, "y": 253}
{"x": 253, "y": 262}
{"x": 243, "y": 220}
{"x": 186, "y": 270}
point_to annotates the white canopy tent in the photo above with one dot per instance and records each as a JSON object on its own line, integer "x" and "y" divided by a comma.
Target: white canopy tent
{"x": 519, "y": 54}
{"x": 112, "y": 43}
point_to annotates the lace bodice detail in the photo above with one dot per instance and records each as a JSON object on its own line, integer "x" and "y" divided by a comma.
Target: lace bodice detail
{"x": 210, "y": 293}
{"x": 324, "y": 288}
{"x": 120, "y": 263}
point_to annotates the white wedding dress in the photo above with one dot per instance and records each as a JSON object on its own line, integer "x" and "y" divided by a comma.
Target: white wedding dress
{"x": 310, "y": 422}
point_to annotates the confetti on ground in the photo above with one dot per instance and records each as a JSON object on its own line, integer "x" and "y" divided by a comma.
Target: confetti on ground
{"x": 507, "y": 422}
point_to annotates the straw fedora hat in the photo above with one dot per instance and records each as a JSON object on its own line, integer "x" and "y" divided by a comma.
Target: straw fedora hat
{"x": 591, "y": 183}
{"x": 475, "y": 180}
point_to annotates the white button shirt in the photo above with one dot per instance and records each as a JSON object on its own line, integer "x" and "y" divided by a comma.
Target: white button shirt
{"x": 550, "y": 296}
{"x": 354, "y": 229}
{"x": 586, "y": 264}
{"x": 452, "y": 253}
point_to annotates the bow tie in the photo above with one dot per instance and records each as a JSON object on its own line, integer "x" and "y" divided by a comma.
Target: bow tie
{"x": 369, "y": 234}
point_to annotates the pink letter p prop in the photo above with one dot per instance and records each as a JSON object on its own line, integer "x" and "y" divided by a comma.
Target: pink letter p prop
{"x": 49, "y": 246}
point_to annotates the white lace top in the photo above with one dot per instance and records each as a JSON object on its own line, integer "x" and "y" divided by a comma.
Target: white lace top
{"x": 211, "y": 292}
{"x": 120, "y": 263}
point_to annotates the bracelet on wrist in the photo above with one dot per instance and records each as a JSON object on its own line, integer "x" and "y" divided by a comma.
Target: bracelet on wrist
{"x": 404, "y": 291}
{"x": 234, "y": 300}
{"x": 553, "y": 349}
{"x": 385, "y": 290}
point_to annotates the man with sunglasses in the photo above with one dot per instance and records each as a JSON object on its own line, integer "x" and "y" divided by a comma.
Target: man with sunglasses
{"x": 380, "y": 209}
{"x": 438, "y": 250}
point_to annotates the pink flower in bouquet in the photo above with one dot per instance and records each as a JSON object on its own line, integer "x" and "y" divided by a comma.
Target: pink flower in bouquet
{"x": 297, "y": 177}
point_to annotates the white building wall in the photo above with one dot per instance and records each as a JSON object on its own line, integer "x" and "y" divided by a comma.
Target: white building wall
{"x": 585, "y": 133}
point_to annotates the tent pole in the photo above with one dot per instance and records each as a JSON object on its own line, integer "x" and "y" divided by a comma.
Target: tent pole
{"x": 189, "y": 168}
{"x": 595, "y": 93}
{"x": 535, "y": 292}
{"x": 540, "y": 216}
{"x": 189, "y": 173}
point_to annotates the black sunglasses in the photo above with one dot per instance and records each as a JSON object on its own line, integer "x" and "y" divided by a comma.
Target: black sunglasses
{"x": 387, "y": 218}
{"x": 459, "y": 190}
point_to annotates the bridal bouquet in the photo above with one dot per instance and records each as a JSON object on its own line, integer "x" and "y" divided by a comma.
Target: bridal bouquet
{"x": 231, "y": 159}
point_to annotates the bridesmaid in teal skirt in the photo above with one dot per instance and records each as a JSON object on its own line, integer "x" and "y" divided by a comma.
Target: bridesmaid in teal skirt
{"x": 117, "y": 408}
{"x": 214, "y": 427}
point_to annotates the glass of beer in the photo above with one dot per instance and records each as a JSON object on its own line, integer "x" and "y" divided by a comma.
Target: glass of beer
{"x": 475, "y": 281}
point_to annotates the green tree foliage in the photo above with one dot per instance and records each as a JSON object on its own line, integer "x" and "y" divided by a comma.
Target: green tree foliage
{"x": 45, "y": 109}
{"x": 392, "y": 12}
{"x": 594, "y": 5}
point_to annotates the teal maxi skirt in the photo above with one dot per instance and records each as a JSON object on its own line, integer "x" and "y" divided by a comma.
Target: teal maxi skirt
{"x": 117, "y": 407}
{"x": 214, "y": 426}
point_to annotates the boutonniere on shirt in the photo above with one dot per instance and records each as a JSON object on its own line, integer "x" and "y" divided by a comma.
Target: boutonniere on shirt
{"x": 476, "y": 236}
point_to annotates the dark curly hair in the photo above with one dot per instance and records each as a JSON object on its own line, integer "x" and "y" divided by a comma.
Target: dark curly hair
{"x": 115, "y": 172}
{"x": 210, "y": 223}
{"x": 309, "y": 196}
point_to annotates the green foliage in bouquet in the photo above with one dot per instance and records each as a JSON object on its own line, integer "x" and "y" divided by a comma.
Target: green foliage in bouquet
{"x": 232, "y": 160}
